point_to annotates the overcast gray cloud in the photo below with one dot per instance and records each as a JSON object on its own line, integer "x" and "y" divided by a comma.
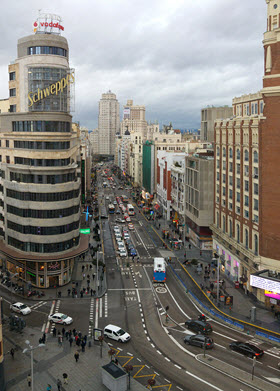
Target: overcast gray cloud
{"x": 174, "y": 56}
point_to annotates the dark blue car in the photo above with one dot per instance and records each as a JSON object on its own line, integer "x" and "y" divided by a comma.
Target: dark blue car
{"x": 133, "y": 252}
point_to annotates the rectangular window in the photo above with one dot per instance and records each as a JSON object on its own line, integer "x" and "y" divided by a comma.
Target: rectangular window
{"x": 256, "y": 218}
{"x": 224, "y": 178}
{"x": 246, "y": 214}
{"x": 246, "y": 185}
{"x": 224, "y": 191}
{"x": 7, "y": 143}
{"x": 261, "y": 107}
{"x": 256, "y": 204}
{"x": 246, "y": 200}
{"x": 230, "y": 194}
{"x": 13, "y": 108}
{"x": 224, "y": 165}
{"x": 256, "y": 188}
{"x": 237, "y": 197}
{"x": 237, "y": 168}
{"x": 230, "y": 180}
{"x": 12, "y": 76}
{"x": 7, "y": 159}
{"x": 252, "y": 108}
{"x": 238, "y": 183}
{"x": 230, "y": 167}
{"x": 12, "y": 92}
{"x": 238, "y": 210}
{"x": 218, "y": 176}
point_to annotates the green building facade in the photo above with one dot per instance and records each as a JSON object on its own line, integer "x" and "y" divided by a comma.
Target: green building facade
{"x": 148, "y": 165}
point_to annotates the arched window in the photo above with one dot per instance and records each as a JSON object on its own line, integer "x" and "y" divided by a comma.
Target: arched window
{"x": 246, "y": 238}
{"x": 218, "y": 220}
{"x": 224, "y": 224}
{"x": 256, "y": 157}
{"x": 238, "y": 154}
{"x": 230, "y": 228}
{"x": 246, "y": 155}
{"x": 238, "y": 233}
{"x": 256, "y": 244}
{"x": 230, "y": 153}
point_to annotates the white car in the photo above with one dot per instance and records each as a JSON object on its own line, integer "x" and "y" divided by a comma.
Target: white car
{"x": 116, "y": 333}
{"x": 122, "y": 253}
{"x": 21, "y": 308}
{"x": 116, "y": 228}
{"x": 121, "y": 245}
{"x": 60, "y": 318}
{"x": 120, "y": 220}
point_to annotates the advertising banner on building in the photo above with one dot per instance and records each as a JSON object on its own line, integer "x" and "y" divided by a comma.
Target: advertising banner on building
{"x": 48, "y": 24}
{"x": 126, "y": 113}
{"x": 265, "y": 284}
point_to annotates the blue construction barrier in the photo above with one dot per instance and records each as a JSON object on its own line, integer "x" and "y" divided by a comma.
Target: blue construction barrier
{"x": 212, "y": 312}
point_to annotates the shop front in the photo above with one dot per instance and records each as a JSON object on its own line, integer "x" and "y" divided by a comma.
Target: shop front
{"x": 230, "y": 264}
{"x": 42, "y": 273}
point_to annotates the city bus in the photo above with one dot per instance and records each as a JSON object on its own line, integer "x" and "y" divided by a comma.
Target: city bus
{"x": 124, "y": 199}
{"x": 130, "y": 210}
{"x": 111, "y": 208}
{"x": 159, "y": 270}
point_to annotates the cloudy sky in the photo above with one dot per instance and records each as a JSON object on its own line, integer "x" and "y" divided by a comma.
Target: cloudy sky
{"x": 173, "y": 56}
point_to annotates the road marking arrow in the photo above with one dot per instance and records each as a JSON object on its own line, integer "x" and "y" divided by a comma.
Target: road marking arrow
{"x": 138, "y": 273}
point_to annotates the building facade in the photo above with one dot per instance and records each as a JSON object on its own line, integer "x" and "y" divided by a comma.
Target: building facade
{"x": 40, "y": 166}
{"x": 108, "y": 123}
{"x": 247, "y": 189}
{"x": 208, "y": 117}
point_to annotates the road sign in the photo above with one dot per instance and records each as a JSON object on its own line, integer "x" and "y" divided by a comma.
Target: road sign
{"x": 85, "y": 231}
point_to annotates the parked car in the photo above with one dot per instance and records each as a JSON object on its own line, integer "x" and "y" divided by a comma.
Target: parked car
{"x": 199, "y": 326}
{"x": 20, "y": 308}
{"x": 248, "y": 349}
{"x": 119, "y": 220}
{"x": 60, "y": 318}
{"x": 199, "y": 340}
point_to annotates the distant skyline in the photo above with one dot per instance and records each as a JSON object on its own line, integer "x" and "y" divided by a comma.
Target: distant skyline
{"x": 173, "y": 56}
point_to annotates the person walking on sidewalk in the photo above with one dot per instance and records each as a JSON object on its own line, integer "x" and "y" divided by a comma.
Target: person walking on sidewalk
{"x": 59, "y": 384}
{"x": 65, "y": 378}
{"x": 29, "y": 380}
{"x": 12, "y": 351}
{"x": 49, "y": 387}
{"x": 70, "y": 341}
{"x": 76, "y": 355}
{"x": 63, "y": 331}
{"x": 54, "y": 332}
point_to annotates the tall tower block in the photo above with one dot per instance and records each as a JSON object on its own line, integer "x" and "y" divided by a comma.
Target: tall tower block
{"x": 270, "y": 138}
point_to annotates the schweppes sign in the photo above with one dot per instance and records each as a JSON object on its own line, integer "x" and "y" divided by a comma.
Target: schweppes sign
{"x": 53, "y": 89}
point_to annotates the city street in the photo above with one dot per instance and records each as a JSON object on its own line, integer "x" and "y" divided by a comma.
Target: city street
{"x": 156, "y": 349}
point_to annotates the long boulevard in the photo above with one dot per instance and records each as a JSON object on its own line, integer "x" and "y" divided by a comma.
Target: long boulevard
{"x": 156, "y": 349}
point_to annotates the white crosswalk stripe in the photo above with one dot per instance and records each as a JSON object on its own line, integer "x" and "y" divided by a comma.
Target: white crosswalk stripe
{"x": 91, "y": 317}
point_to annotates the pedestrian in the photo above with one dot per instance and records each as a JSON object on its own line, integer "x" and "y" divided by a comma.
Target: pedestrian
{"x": 116, "y": 361}
{"x": 213, "y": 272}
{"x": 12, "y": 352}
{"x": 63, "y": 331}
{"x": 49, "y": 387}
{"x": 88, "y": 282}
{"x": 54, "y": 331}
{"x": 79, "y": 334}
{"x": 44, "y": 338}
{"x": 83, "y": 345}
{"x": 70, "y": 341}
{"x": 91, "y": 292}
{"x": 69, "y": 291}
{"x": 74, "y": 332}
{"x": 83, "y": 268}
{"x": 59, "y": 384}
{"x": 81, "y": 294}
{"x": 93, "y": 275}
{"x": 73, "y": 293}
{"x": 78, "y": 341}
{"x": 212, "y": 286}
{"x": 67, "y": 335}
{"x": 190, "y": 246}
{"x": 138, "y": 259}
{"x": 65, "y": 378}
{"x": 76, "y": 355}
{"x": 88, "y": 276}
{"x": 60, "y": 339}
{"x": 29, "y": 380}
{"x": 84, "y": 276}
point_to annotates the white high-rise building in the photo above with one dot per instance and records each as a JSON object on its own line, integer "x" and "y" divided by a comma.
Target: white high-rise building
{"x": 108, "y": 123}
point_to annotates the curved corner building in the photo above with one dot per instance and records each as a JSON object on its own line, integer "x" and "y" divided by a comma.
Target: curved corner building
{"x": 40, "y": 166}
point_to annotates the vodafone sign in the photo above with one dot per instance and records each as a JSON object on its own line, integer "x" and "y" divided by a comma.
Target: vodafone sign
{"x": 48, "y": 24}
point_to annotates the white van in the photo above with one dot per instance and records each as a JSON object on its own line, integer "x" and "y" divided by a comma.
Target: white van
{"x": 116, "y": 333}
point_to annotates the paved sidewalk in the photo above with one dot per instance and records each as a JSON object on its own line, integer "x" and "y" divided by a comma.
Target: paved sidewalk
{"x": 51, "y": 361}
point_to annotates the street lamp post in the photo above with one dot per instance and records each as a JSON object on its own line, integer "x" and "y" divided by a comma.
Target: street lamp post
{"x": 31, "y": 349}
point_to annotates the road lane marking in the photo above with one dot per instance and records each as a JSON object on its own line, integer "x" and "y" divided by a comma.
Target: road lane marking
{"x": 100, "y": 307}
{"x": 48, "y": 322}
{"x": 96, "y": 314}
{"x": 183, "y": 312}
{"x": 106, "y": 306}
{"x": 203, "y": 381}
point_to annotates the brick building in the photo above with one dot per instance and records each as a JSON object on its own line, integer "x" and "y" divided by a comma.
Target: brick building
{"x": 246, "y": 229}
